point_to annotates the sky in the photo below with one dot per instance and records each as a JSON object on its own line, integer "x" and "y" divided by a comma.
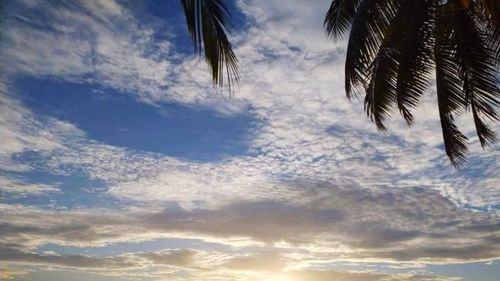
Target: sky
{"x": 119, "y": 160}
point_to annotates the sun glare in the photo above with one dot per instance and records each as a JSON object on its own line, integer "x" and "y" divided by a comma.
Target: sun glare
{"x": 278, "y": 277}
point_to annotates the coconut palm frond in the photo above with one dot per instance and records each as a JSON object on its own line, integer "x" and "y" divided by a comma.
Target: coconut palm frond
{"x": 208, "y": 21}
{"x": 491, "y": 8}
{"x": 416, "y": 47}
{"x": 493, "y": 29}
{"x": 367, "y": 33}
{"x": 455, "y": 142}
{"x": 394, "y": 45}
{"x": 494, "y": 24}
{"x": 339, "y": 17}
{"x": 488, "y": 13}
{"x": 403, "y": 63}
{"x": 494, "y": 40}
{"x": 450, "y": 94}
{"x": 476, "y": 67}
{"x": 381, "y": 91}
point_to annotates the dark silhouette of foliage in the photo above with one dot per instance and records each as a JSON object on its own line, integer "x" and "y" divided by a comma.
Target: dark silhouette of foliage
{"x": 394, "y": 46}
{"x": 208, "y": 22}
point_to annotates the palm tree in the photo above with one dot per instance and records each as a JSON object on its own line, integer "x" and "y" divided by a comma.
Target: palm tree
{"x": 208, "y": 21}
{"x": 395, "y": 45}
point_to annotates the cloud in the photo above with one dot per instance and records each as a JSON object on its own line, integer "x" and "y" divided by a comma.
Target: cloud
{"x": 345, "y": 225}
{"x": 195, "y": 264}
{"x": 365, "y": 276}
{"x": 17, "y": 187}
{"x": 86, "y": 42}
{"x": 9, "y": 273}
{"x": 246, "y": 268}
{"x": 182, "y": 258}
{"x": 175, "y": 258}
{"x": 67, "y": 261}
{"x": 22, "y": 131}
{"x": 261, "y": 262}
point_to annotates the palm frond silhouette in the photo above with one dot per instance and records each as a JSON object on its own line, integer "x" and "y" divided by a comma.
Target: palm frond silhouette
{"x": 208, "y": 23}
{"x": 395, "y": 45}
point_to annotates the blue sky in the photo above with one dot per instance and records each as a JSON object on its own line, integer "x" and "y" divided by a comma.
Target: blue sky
{"x": 120, "y": 161}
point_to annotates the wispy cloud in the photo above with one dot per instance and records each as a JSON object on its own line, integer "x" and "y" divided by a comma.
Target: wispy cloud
{"x": 20, "y": 188}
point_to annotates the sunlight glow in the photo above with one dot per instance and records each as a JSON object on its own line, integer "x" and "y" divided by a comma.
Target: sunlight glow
{"x": 278, "y": 277}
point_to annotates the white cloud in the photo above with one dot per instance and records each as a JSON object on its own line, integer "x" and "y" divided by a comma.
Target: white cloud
{"x": 88, "y": 42}
{"x": 21, "y": 131}
{"x": 19, "y": 188}
{"x": 412, "y": 225}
